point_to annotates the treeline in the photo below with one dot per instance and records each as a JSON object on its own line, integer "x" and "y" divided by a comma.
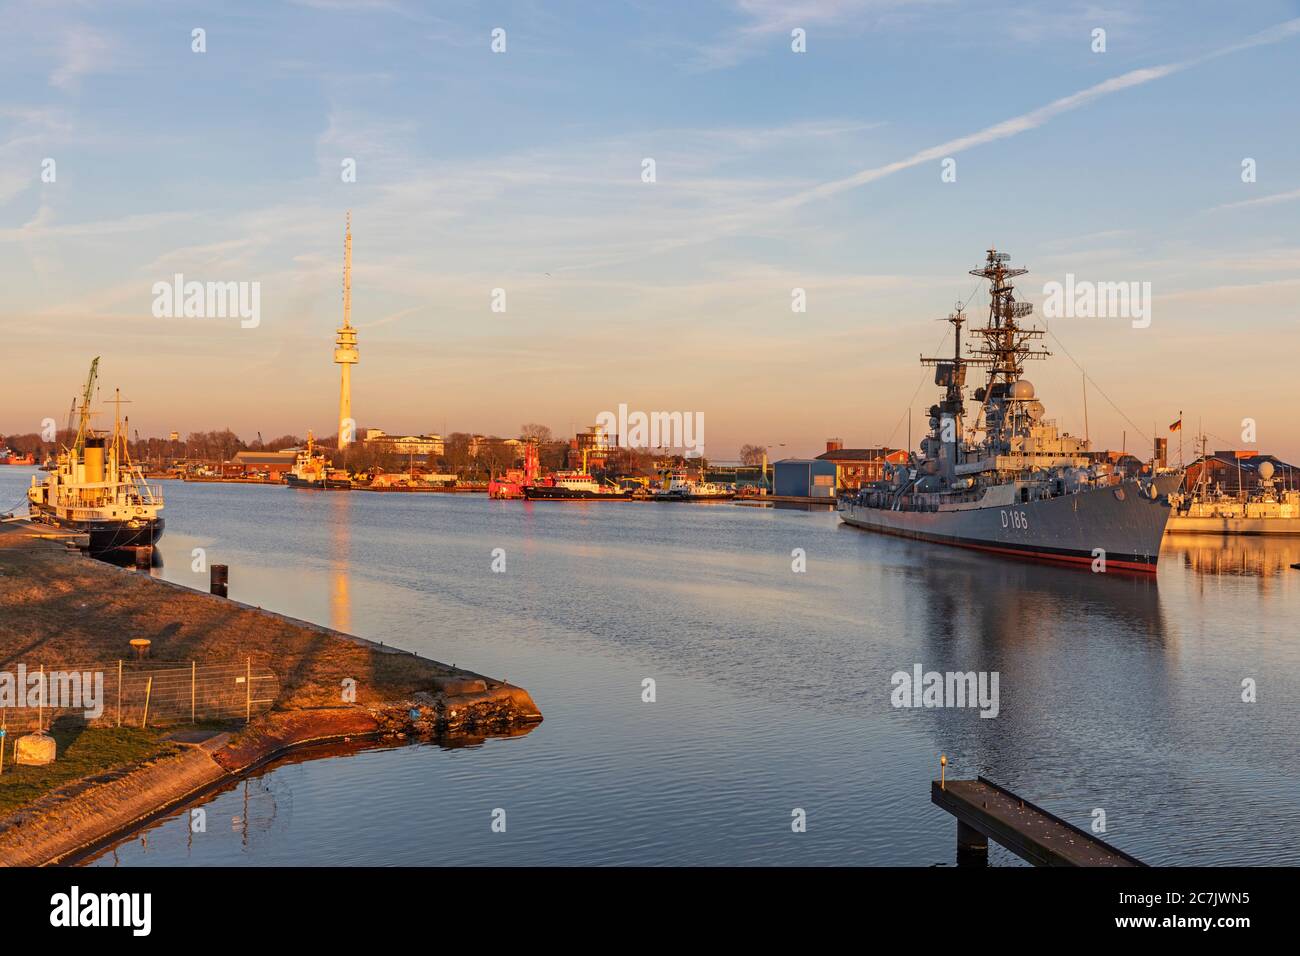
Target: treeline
{"x": 464, "y": 454}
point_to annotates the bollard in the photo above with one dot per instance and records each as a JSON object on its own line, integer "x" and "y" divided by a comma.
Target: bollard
{"x": 220, "y": 579}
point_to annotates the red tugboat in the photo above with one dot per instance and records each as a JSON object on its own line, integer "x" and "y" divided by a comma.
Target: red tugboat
{"x": 10, "y": 457}
{"x": 512, "y": 484}
{"x": 574, "y": 486}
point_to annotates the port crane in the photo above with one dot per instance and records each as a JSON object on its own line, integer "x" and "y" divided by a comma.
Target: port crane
{"x": 83, "y": 428}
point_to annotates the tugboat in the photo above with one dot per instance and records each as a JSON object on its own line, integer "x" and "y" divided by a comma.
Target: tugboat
{"x": 10, "y": 457}
{"x": 574, "y": 486}
{"x": 1002, "y": 478}
{"x": 95, "y": 490}
{"x": 681, "y": 487}
{"x": 312, "y": 471}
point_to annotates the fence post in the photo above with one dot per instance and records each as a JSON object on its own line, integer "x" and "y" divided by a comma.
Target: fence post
{"x": 119, "y": 692}
{"x": 148, "y": 689}
{"x": 248, "y": 689}
{"x": 193, "y": 668}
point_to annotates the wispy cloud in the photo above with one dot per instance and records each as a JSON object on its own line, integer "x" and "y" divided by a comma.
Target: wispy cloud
{"x": 1269, "y": 200}
{"x": 764, "y": 20}
{"x": 82, "y": 51}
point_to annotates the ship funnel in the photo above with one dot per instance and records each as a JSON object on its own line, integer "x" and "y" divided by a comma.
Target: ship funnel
{"x": 94, "y": 460}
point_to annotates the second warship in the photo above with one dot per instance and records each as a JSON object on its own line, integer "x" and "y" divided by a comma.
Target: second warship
{"x": 1002, "y": 478}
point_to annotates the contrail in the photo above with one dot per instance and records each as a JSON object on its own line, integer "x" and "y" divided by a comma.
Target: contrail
{"x": 1037, "y": 117}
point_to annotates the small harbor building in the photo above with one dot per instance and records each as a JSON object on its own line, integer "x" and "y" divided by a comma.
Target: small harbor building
{"x": 804, "y": 478}
{"x": 855, "y": 467}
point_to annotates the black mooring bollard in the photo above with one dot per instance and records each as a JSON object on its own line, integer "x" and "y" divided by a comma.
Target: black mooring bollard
{"x": 220, "y": 579}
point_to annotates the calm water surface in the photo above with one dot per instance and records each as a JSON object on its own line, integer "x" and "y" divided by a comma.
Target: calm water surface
{"x": 773, "y": 688}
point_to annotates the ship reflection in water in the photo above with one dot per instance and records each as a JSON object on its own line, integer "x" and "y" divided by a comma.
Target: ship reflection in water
{"x": 773, "y": 687}
{"x": 1266, "y": 558}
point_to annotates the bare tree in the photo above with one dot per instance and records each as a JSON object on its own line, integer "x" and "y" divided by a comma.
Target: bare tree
{"x": 752, "y": 454}
{"x": 535, "y": 432}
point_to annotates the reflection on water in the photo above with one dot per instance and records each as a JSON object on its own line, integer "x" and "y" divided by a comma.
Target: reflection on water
{"x": 1264, "y": 557}
{"x": 1119, "y": 693}
{"x": 340, "y": 535}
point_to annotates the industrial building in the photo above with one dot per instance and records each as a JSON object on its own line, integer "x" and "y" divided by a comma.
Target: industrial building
{"x": 804, "y": 478}
{"x": 271, "y": 463}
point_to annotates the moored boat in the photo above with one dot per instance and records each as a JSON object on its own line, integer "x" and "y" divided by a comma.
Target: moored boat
{"x": 95, "y": 490}
{"x": 312, "y": 471}
{"x": 575, "y": 486}
{"x": 681, "y": 487}
{"x": 10, "y": 457}
{"x": 1003, "y": 478}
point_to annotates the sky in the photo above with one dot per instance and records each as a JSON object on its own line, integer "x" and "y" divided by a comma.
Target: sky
{"x": 872, "y": 170}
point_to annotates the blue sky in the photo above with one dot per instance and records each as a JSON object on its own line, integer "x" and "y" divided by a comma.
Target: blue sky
{"x": 522, "y": 170}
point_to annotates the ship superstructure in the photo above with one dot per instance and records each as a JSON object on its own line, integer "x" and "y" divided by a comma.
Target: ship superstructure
{"x": 995, "y": 473}
{"x": 95, "y": 490}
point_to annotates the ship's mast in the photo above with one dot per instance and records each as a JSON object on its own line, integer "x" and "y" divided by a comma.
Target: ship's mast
{"x": 1005, "y": 342}
{"x": 1005, "y": 347}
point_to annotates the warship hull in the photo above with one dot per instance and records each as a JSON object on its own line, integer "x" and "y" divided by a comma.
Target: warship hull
{"x": 1120, "y": 521}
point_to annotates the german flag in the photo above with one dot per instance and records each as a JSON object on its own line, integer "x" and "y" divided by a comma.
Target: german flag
{"x": 1176, "y": 426}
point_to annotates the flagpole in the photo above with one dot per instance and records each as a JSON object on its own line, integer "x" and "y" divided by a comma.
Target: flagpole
{"x": 1180, "y": 438}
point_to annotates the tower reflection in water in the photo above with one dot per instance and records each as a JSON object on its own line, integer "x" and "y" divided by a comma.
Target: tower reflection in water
{"x": 340, "y": 602}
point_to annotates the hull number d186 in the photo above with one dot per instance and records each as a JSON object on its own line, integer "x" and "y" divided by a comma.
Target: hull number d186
{"x": 1014, "y": 519}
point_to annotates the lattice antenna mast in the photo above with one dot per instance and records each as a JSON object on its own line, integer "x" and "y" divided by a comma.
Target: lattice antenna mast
{"x": 1006, "y": 344}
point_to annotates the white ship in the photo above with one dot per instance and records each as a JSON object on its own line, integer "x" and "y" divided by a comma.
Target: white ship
{"x": 94, "y": 489}
{"x": 681, "y": 487}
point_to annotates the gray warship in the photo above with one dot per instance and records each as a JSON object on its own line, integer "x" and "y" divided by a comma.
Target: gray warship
{"x": 1001, "y": 477}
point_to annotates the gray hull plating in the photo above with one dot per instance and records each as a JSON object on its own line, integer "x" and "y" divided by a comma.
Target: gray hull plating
{"x": 1120, "y": 522}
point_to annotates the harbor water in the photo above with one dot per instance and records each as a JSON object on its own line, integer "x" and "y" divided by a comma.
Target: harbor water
{"x": 772, "y": 686}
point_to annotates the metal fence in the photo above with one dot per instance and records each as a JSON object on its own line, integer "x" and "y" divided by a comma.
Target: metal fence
{"x": 147, "y": 693}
